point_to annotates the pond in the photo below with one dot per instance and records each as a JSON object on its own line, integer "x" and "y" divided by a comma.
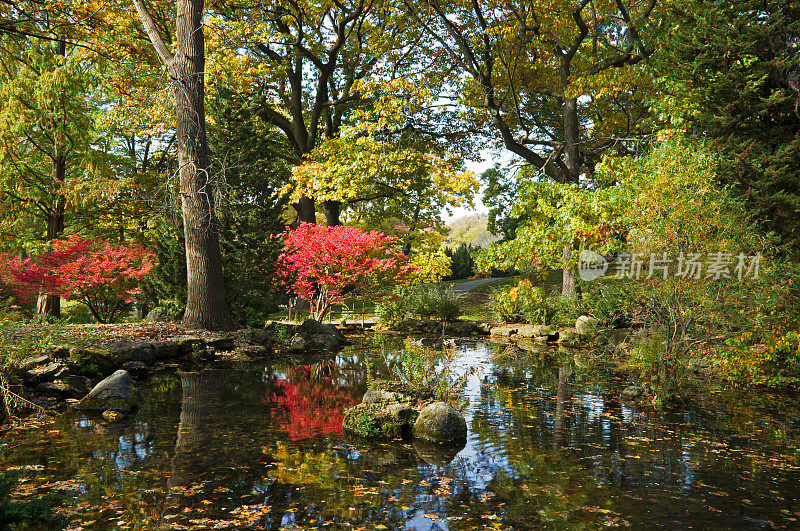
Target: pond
{"x": 550, "y": 445}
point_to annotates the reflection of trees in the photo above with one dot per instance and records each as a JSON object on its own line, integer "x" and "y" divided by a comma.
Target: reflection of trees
{"x": 563, "y": 403}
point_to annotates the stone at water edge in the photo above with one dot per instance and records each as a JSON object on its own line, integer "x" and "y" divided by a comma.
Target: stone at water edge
{"x": 377, "y": 421}
{"x": 440, "y": 423}
{"x": 114, "y": 392}
{"x": 503, "y": 330}
{"x": 632, "y": 392}
{"x": 586, "y": 325}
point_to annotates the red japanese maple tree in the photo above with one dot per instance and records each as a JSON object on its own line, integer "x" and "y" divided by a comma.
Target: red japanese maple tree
{"x": 103, "y": 276}
{"x": 327, "y": 265}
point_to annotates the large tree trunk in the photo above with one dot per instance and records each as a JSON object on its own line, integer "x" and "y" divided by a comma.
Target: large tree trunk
{"x": 306, "y": 210}
{"x": 51, "y": 304}
{"x": 205, "y": 305}
{"x": 572, "y": 160}
{"x": 332, "y": 209}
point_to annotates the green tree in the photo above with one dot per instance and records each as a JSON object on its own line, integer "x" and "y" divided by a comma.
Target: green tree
{"x": 730, "y": 72}
{"x": 46, "y": 156}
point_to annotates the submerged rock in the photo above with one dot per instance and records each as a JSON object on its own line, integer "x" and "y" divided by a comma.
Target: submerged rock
{"x": 441, "y": 423}
{"x": 114, "y": 392}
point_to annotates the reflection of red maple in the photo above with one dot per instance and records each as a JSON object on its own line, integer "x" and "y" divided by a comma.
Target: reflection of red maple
{"x": 304, "y": 408}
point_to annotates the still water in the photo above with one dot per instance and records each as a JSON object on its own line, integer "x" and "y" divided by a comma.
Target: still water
{"x": 550, "y": 445}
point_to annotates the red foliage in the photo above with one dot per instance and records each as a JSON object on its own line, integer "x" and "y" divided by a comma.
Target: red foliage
{"x": 325, "y": 265}
{"x": 306, "y": 408}
{"x": 104, "y": 276}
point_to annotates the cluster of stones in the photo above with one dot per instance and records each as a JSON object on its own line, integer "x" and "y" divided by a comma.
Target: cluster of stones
{"x": 584, "y": 329}
{"x": 71, "y": 372}
{"x": 394, "y": 409}
{"x": 313, "y": 335}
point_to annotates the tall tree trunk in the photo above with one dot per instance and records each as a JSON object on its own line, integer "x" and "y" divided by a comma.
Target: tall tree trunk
{"x": 51, "y": 304}
{"x": 306, "y": 210}
{"x": 332, "y": 209}
{"x": 205, "y": 305}
{"x": 572, "y": 160}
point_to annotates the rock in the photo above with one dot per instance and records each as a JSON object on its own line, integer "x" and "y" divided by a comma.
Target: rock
{"x": 45, "y": 373}
{"x": 527, "y": 331}
{"x": 544, "y": 331}
{"x": 311, "y": 327}
{"x": 586, "y": 325}
{"x": 113, "y": 416}
{"x": 136, "y": 368}
{"x": 460, "y": 328}
{"x": 71, "y": 386}
{"x": 483, "y": 328}
{"x": 37, "y": 360}
{"x": 323, "y": 341}
{"x": 298, "y": 343}
{"x": 67, "y": 387}
{"x": 632, "y": 392}
{"x": 569, "y": 337}
{"x": 114, "y": 392}
{"x": 221, "y": 344}
{"x": 612, "y": 338}
{"x": 159, "y": 315}
{"x": 254, "y": 336}
{"x": 94, "y": 363}
{"x": 376, "y": 421}
{"x": 504, "y": 330}
{"x": 387, "y": 391}
{"x": 403, "y": 412}
{"x": 54, "y": 389}
{"x": 440, "y": 423}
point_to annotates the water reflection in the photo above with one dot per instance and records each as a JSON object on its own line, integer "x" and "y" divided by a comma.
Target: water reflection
{"x": 549, "y": 445}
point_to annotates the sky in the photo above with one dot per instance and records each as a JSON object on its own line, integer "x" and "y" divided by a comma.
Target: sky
{"x": 488, "y": 159}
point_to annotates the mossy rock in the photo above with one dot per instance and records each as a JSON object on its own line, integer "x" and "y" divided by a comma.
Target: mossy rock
{"x": 392, "y": 391}
{"x": 441, "y": 423}
{"x": 94, "y": 363}
{"x": 377, "y": 421}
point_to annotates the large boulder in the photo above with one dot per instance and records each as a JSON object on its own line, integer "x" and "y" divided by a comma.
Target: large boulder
{"x": 586, "y": 326}
{"x": 159, "y": 315}
{"x": 313, "y": 335}
{"x": 93, "y": 363}
{"x": 379, "y": 421}
{"x": 440, "y": 423}
{"x": 114, "y": 392}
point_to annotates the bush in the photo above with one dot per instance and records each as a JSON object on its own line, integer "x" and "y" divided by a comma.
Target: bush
{"x": 511, "y": 305}
{"x": 391, "y": 311}
{"x": 424, "y": 302}
{"x": 433, "y": 302}
{"x": 609, "y": 301}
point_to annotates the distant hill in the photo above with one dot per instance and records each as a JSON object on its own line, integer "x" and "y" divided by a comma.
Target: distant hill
{"x": 470, "y": 230}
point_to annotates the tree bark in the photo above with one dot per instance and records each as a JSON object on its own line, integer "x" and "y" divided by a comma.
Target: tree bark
{"x": 332, "y": 210}
{"x": 206, "y": 306}
{"x": 573, "y": 162}
{"x": 306, "y": 210}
